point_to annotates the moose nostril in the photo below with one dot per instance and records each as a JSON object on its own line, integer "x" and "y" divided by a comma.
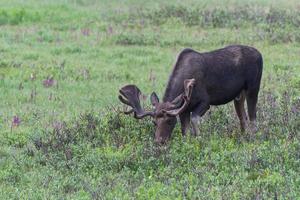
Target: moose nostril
{"x": 158, "y": 140}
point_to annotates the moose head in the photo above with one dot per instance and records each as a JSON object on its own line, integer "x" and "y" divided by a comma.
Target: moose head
{"x": 164, "y": 113}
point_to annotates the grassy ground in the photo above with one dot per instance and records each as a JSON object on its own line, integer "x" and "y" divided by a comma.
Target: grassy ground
{"x": 61, "y": 134}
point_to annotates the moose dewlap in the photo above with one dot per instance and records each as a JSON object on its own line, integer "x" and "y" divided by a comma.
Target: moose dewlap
{"x": 199, "y": 80}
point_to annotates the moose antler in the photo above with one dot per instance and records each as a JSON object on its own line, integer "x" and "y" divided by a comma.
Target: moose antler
{"x": 130, "y": 95}
{"x": 185, "y": 96}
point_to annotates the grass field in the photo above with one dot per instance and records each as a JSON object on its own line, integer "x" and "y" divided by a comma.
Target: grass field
{"x": 62, "y": 135}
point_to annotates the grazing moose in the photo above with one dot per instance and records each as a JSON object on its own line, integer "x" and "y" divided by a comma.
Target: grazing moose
{"x": 199, "y": 80}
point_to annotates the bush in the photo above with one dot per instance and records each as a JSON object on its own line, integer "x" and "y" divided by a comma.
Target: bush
{"x": 18, "y": 16}
{"x": 119, "y": 151}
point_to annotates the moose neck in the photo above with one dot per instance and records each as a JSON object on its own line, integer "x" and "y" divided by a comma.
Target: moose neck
{"x": 174, "y": 89}
{"x": 179, "y": 74}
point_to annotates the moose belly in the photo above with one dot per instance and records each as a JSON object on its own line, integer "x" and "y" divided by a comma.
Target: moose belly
{"x": 224, "y": 93}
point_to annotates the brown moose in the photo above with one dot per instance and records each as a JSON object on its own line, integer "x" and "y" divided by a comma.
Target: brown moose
{"x": 199, "y": 80}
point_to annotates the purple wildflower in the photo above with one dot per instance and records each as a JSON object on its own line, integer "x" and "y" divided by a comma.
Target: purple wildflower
{"x": 48, "y": 82}
{"x": 110, "y": 30}
{"x": 16, "y": 121}
{"x": 85, "y": 31}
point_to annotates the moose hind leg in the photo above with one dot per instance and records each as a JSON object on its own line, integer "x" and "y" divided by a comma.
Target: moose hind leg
{"x": 251, "y": 97}
{"x": 240, "y": 110}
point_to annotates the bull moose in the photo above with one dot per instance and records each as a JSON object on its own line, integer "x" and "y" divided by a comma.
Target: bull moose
{"x": 199, "y": 80}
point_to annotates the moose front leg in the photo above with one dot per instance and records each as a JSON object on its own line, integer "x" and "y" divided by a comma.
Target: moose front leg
{"x": 198, "y": 112}
{"x": 185, "y": 119}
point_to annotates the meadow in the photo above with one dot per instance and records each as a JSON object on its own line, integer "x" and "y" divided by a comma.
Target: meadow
{"x": 62, "y": 132}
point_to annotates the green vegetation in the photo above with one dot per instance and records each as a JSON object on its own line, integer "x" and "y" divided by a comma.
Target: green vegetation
{"x": 62, "y": 135}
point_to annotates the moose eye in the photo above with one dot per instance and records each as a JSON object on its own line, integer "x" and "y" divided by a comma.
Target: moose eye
{"x": 154, "y": 122}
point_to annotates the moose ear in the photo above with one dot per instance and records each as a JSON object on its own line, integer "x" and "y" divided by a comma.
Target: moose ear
{"x": 154, "y": 99}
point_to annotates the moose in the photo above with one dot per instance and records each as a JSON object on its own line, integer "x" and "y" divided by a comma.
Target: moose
{"x": 199, "y": 80}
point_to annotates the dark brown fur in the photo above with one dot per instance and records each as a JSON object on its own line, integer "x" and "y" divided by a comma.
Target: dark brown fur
{"x": 220, "y": 76}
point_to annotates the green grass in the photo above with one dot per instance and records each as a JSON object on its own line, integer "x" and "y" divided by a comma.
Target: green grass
{"x": 73, "y": 143}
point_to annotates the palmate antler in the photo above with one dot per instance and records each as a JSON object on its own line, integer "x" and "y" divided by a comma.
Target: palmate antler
{"x": 185, "y": 97}
{"x": 130, "y": 95}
